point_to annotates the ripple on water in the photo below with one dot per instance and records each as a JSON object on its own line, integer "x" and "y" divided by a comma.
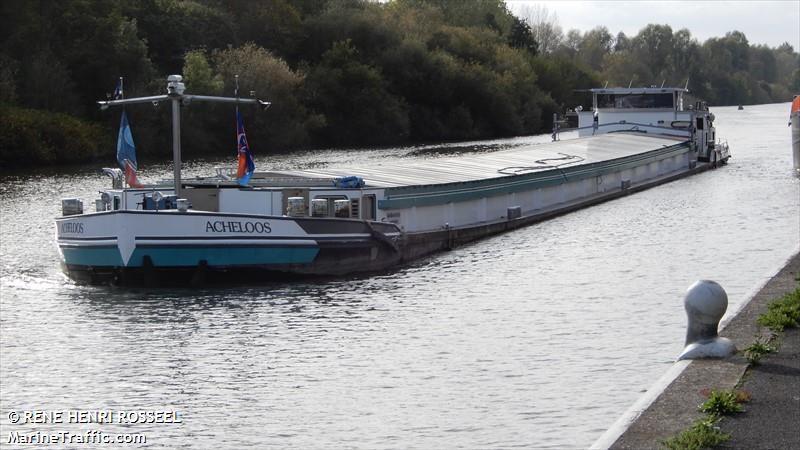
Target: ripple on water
{"x": 540, "y": 337}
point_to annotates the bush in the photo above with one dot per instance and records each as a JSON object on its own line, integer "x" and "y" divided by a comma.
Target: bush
{"x": 355, "y": 100}
{"x": 286, "y": 123}
{"x": 29, "y": 136}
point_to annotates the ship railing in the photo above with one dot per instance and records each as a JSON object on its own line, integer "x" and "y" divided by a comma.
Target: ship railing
{"x": 227, "y": 173}
{"x": 634, "y": 126}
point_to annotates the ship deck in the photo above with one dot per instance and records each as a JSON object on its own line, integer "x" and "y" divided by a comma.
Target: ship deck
{"x": 521, "y": 160}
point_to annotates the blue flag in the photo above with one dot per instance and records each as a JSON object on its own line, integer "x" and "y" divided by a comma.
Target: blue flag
{"x": 125, "y": 147}
{"x": 246, "y": 165}
{"x": 126, "y": 152}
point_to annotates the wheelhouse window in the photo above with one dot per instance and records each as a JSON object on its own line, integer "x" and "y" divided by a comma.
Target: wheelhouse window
{"x": 636, "y": 101}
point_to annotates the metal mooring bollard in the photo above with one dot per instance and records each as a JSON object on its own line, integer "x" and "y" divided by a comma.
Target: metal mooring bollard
{"x": 705, "y": 304}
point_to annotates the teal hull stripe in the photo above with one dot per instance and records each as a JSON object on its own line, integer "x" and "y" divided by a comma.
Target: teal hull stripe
{"x": 406, "y": 197}
{"x": 92, "y": 256}
{"x": 191, "y": 256}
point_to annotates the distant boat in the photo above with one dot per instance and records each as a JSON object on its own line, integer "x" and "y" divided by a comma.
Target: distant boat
{"x": 329, "y": 221}
{"x": 741, "y": 107}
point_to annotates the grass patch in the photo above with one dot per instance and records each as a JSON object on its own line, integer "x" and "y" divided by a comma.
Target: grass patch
{"x": 782, "y": 313}
{"x": 723, "y": 403}
{"x": 704, "y": 433}
{"x": 760, "y": 347}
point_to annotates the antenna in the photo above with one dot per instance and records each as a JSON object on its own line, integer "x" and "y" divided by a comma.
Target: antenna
{"x": 663, "y": 81}
{"x": 606, "y": 85}
{"x": 687, "y": 83}
{"x": 631, "y": 83}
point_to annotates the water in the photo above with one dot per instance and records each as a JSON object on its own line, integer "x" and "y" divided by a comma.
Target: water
{"x": 538, "y": 338}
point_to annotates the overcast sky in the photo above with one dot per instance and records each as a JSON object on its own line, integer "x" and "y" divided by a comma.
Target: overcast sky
{"x": 763, "y": 22}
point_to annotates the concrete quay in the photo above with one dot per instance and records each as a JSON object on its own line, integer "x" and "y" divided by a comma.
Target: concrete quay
{"x": 772, "y": 415}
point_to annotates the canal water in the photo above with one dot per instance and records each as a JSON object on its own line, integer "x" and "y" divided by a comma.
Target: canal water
{"x": 538, "y": 338}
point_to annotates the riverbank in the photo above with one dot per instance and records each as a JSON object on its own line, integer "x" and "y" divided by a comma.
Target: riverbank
{"x": 774, "y": 406}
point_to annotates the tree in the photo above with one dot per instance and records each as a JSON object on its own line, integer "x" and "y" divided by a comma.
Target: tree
{"x": 366, "y": 26}
{"x": 622, "y": 42}
{"x": 8, "y": 85}
{"x": 355, "y": 101}
{"x": 763, "y": 64}
{"x": 287, "y": 122}
{"x": 198, "y": 75}
{"x": 571, "y": 44}
{"x": 521, "y": 36}
{"x": 174, "y": 27}
{"x": 594, "y": 46}
{"x": 276, "y": 25}
{"x": 544, "y": 27}
{"x": 653, "y": 46}
{"x": 736, "y": 43}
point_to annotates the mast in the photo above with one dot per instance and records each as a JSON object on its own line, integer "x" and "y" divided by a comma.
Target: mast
{"x": 175, "y": 93}
{"x": 175, "y": 88}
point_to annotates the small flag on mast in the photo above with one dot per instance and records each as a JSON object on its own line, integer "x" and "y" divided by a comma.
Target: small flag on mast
{"x": 118, "y": 93}
{"x": 246, "y": 165}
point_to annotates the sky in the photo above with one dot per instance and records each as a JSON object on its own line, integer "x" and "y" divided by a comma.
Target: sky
{"x": 763, "y": 22}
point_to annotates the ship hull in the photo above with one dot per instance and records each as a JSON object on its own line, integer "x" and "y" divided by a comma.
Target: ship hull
{"x": 171, "y": 248}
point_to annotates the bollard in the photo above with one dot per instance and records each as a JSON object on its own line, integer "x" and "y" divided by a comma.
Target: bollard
{"x": 705, "y": 304}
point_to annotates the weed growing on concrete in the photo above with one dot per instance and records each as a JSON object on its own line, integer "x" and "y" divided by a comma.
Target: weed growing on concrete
{"x": 760, "y": 347}
{"x": 721, "y": 403}
{"x": 704, "y": 433}
{"x": 782, "y": 313}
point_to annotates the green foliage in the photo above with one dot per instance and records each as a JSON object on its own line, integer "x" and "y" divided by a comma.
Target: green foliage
{"x": 366, "y": 26}
{"x": 521, "y": 36}
{"x": 722, "y": 403}
{"x": 29, "y": 137}
{"x": 8, "y": 84}
{"x": 355, "y": 100}
{"x": 354, "y": 72}
{"x": 198, "y": 75}
{"x": 782, "y": 313}
{"x": 172, "y": 28}
{"x": 704, "y": 433}
{"x": 276, "y": 25}
{"x": 723, "y": 71}
{"x": 287, "y": 123}
{"x": 71, "y": 52}
{"x": 491, "y": 14}
{"x": 760, "y": 347}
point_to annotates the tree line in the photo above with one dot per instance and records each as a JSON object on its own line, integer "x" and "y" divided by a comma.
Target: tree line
{"x": 338, "y": 72}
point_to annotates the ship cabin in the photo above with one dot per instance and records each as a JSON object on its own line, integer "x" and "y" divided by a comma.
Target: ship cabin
{"x": 655, "y": 110}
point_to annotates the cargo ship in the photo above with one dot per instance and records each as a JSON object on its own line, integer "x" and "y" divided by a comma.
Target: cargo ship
{"x": 361, "y": 219}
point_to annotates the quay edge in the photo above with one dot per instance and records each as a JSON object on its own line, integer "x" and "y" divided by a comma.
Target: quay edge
{"x": 670, "y": 405}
